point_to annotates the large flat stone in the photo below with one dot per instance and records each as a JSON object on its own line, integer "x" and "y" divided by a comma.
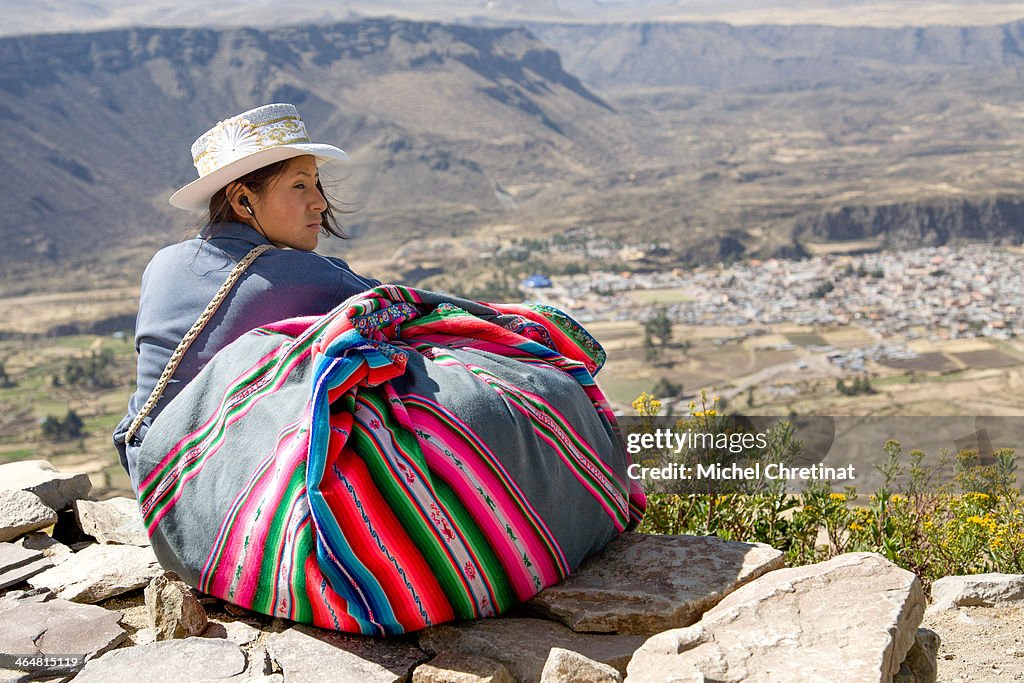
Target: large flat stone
{"x": 452, "y": 667}
{"x": 853, "y": 618}
{"x": 238, "y": 632}
{"x": 37, "y": 625}
{"x": 977, "y": 590}
{"x": 99, "y": 572}
{"x": 19, "y": 564}
{"x": 22, "y": 512}
{"x": 645, "y": 584}
{"x": 190, "y": 659}
{"x": 306, "y": 653}
{"x": 56, "y": 489}
{"x": 523, "y": 645}
{"x": 116, "y": 520}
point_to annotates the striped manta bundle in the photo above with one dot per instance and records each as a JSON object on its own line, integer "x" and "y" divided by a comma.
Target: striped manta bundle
{"x": 407, "y": 459}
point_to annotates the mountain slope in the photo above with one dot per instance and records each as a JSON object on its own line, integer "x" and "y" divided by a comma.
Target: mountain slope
{"x": 721, "y": 56}
{"x": 98, "y": 125}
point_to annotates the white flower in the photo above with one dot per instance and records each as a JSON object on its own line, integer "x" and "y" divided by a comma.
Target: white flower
{"x": 230, "y": 140}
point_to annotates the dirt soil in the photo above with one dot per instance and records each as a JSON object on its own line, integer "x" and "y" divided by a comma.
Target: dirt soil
{"x": 979, "y": 643}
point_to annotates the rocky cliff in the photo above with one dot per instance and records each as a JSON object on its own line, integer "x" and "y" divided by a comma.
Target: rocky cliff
{"x": 919, "y": 224}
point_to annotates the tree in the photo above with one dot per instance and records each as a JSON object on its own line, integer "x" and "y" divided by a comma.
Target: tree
{"x": 658, "y": 327}
{"x": 90, "y": 371}
{"x": 666, "y": 388}
{"x": 821, "y": 290}
{"x": 70, "y": 427}
{"x": 651, "y": 352}
{"x": 73, "y": 425}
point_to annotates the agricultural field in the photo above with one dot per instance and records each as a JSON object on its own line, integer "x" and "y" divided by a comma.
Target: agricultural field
{"x": 91, "y": 375}
{"x": 949, "y": 377}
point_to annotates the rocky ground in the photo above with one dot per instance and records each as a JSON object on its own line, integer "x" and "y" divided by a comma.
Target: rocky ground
{"x": 979, "y": 643}
{"x": 78, "y": 577}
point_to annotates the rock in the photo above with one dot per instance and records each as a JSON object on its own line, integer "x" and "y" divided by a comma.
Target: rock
{"x": 565, "y": 666}
{"x": 259, "y": 662}
{"x": 522, "y": 645}
{"x": 191, "y": 659}
{"x": 56, "y": 489}
{"x": 144, "y": 636}
{"x": 13, "y": 597}
{"x": 112, "y": 521}
{"x": 174, "y": 612}
{"x": 454, "y": 667}
{"x": 921, "y": 665}
{"x": 53, "y": 549}
{"x": 99, "y": 572}
{"x": 238, "y": 632}
{"x": 645, "y": 584}
{"x": 852, "y": 618}
{"x": 19, "y": 564}
{"x": 49, "y": 626}
{"x": 22, "y": 512}
{"x": 978, "y": 590}
{"x": 305, "y": 653}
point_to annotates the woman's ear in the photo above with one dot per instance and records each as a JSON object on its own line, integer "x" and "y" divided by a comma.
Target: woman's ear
{"x": 239, "y": 199}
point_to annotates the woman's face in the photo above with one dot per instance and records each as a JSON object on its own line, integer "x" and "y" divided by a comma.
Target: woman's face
{"x": 290, "y": 209}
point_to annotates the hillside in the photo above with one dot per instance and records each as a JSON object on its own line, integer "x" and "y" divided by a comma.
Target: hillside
{"x": 768, "y": 58}
{"x": 446, "y": 125}
{"x": 707, "y": 140}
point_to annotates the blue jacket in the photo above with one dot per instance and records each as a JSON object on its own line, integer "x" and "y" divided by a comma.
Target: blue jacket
{"x": 181, "y": 280}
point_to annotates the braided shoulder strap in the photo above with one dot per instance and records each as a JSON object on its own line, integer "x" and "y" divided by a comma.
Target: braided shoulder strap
{"x": 190, "y": 337}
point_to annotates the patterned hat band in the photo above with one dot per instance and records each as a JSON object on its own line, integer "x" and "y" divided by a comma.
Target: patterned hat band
{"x": 231, "y": 139}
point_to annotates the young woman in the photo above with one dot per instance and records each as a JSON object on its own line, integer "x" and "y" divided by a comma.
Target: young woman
{"x": 405, "y": 459}
{"x": 259, "y": 180}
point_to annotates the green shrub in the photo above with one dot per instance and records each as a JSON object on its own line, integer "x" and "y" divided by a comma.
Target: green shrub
{"x": 972, "y": 524}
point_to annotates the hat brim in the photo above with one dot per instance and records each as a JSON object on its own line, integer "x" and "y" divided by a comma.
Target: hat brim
{"x": 196, "y": 195}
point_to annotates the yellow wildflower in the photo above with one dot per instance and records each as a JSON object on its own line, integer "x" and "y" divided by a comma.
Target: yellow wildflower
{"x": 646, "y": 405}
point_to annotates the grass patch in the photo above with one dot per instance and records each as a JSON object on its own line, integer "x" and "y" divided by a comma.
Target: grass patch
{"x": 895, "y": 379}
{"x": 624, "y": 389}
{"x": 659, "y": 296}
{"x": 806, "y": 340}
{"x": 77, "y": 341}
{"x": 18, "y": 454}
{"x": 101, "y": 423}
{"x": 919, "y": 379}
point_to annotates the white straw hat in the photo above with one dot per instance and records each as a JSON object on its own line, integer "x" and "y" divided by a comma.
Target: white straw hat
{"x": 244, "y": 143}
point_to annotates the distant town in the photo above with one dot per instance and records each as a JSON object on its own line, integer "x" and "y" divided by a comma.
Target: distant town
{"x": 938, "y": 293}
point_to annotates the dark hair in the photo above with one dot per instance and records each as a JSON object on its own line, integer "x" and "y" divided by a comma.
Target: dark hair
{"x": 258, "y": 181}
